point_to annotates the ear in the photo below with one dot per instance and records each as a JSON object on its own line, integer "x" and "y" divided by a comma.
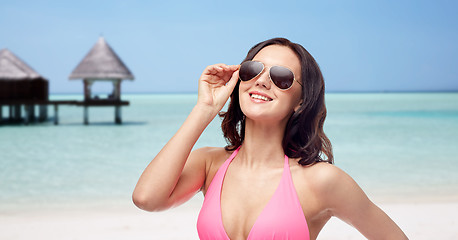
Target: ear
{"x": 298, "y": 106}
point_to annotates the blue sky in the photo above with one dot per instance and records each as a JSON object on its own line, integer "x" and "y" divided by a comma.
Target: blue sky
{"x": 360, "y": 45}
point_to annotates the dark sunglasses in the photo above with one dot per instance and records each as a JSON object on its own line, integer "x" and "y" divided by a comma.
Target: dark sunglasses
{"x": 282, "y": 77}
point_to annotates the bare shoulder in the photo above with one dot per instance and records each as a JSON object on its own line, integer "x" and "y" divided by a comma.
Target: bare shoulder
{"x": 209, "y": 153}
{"x": 326, "y": 173}
{"x": 214, "y": 157}
{"x": 199, "y": 160}
{"x": 327, "y": 180}
{"x": 209, "y": 150}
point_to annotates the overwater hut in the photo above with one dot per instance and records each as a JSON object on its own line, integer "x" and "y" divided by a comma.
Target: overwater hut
{"x": 21, "y": 86}
{"x": 102, "y": 64}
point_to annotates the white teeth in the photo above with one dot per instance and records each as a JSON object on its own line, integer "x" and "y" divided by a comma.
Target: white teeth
{"x": 255, "y": 96}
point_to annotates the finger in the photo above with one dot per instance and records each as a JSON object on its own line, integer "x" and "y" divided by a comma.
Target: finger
{"x": 213, "y": 70}
{"x": 217, "y": 69}
{"x": 234, "y": 67}
{"x": 224, "y": 67}
{"x": 233, "y": 81}
{"x": 227, "y": 71}
{"x": 231, "y": 68}
{"x": 221, "y": 66}
{"x": 221, "y": 70}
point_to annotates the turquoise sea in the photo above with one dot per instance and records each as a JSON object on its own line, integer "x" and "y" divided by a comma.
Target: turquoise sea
{"x": 397, "y": 146}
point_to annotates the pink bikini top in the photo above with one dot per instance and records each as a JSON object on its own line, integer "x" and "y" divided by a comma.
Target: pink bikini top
{"x": 282, "y": 217}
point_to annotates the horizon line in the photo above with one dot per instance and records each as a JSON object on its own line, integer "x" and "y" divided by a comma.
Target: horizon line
{"x": 332, "y": 91}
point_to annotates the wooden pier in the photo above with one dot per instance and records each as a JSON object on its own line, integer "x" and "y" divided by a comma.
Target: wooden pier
{"x": 15, "y": 109}
{"x": 23, "y": 88}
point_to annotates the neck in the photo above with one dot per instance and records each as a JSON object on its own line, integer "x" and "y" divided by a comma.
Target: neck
{"x": 262, "y": 145}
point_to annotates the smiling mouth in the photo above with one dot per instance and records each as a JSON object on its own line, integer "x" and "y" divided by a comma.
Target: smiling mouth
{"x": 260, "y": 97}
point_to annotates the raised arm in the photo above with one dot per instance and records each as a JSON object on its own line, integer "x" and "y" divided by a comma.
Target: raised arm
{"x": 175, "y": 174}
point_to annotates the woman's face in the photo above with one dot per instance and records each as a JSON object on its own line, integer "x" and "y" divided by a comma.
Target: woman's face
{"x": 260, "y": 99}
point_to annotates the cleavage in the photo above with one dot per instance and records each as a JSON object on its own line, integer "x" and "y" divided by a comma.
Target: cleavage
{"x": 244, "y": 195}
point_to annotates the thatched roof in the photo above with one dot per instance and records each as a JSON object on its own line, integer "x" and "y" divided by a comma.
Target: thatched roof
{"x": 101, "y": 63}
{"x": 13, "y": 68}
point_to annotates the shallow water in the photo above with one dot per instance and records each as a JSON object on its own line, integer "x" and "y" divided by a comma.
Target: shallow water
{"x": 396, "y": 146}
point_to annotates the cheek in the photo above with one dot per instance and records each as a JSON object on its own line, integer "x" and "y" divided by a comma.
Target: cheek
{"x": 296, "y": 93}
{"x": 299, "y": 96}
{"x": 243, "y": 88}
{"x": 297, "y": 99}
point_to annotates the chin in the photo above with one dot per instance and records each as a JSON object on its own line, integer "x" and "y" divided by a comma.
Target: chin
{"x": 265, "y": 116}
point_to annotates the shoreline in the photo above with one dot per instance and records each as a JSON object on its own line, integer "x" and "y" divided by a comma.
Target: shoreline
{"x": 97, "y": 203}
{"x": 419, "y": 220}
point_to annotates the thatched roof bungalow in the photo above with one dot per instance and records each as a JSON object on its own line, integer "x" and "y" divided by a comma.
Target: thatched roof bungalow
{"x": 101, "y": 64}
{"x": 18, "y": 81}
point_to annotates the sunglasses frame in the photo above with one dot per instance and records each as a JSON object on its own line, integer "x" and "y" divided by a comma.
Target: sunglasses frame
{"x": 263, "y": 68}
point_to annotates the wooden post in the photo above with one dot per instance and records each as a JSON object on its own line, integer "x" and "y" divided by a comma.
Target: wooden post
{"x": 13, "y": 112}
{"x": 56, "y": 115}
{"x": 118, "y": 115}
{"x": 42, "y": 113}
{"x": 27, "y": 114}
{"x": 88, "y": 89}
{"x": 86, "y": 115}
{"x": 10, "y": 116}
{"x": 32, "y": 112}
{"x": 117, "y": 89}
{"x": 17, "y": 112}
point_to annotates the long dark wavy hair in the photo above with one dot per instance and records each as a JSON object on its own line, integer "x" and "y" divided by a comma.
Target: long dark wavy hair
{"x": 304, "y": 137}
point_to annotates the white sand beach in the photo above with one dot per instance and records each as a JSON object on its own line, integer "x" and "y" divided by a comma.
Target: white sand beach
{"x": 419, "y": 221}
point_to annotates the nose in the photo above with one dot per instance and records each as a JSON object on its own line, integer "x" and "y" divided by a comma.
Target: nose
{"x": 263, "y": 80}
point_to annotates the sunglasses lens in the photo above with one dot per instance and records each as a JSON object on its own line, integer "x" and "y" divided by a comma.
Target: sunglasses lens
{"x": 249, "y": 70}
{"x": 282, "y": 77}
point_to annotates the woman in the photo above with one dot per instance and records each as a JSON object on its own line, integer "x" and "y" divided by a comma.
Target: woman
{"x": 275, "y": 179}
